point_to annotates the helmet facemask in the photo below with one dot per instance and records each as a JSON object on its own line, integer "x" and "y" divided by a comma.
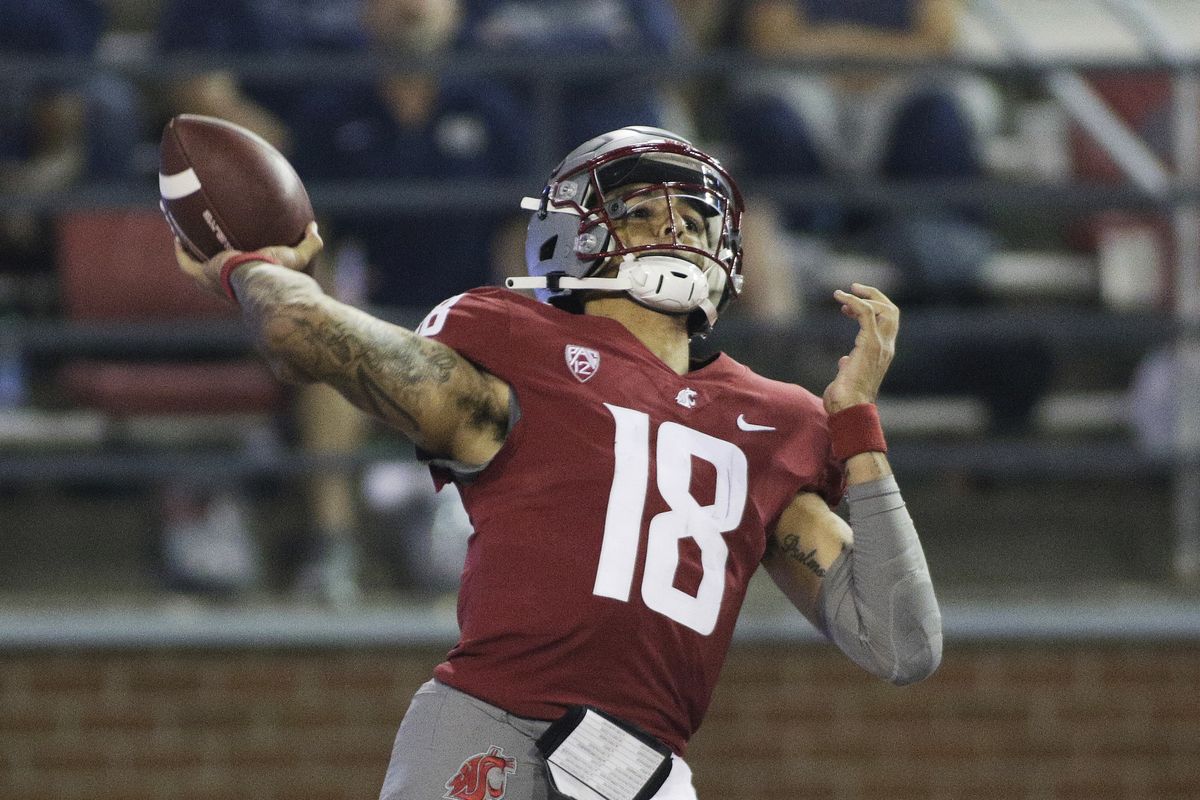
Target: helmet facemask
{"x": 659, "y": 220}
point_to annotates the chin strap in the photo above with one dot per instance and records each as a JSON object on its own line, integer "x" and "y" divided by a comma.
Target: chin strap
{"x": 710, "y": 311}
{"x": 664, "y": 283}
{"x": 560, "y": 280}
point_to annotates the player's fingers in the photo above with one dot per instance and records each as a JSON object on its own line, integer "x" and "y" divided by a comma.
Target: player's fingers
{"x": 869, "y": 293}
{"x": 300, "y": 256}
{"x": 312, "y": 243}
{"x": 887, "y": 314}
{"x": 886, "y": 311}
{"x": 185, "y": 261}
{"x": 857, "y": 307}
{"x": 889, "y": 322}
{"x": 883, "y": 305}
{"x": 204, "y": 273}
{"x": 851, "y": 301}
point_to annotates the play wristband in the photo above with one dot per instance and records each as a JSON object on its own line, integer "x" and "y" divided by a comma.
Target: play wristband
{"x": 236, "y": 261}
{"x": 856, "y": 430}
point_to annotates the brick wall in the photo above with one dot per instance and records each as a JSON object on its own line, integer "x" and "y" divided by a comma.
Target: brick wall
{"x": 997, "y": 721}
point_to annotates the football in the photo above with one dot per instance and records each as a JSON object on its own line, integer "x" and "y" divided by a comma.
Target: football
{"x": 223, "y": 187}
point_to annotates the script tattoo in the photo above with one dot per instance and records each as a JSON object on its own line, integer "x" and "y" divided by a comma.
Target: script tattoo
{"x": 791, "y": 548}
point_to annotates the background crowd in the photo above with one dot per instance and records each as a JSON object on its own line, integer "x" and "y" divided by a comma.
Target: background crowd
{"x": 425, "y": 119}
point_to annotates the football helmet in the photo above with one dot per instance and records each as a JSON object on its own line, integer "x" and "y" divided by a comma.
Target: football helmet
{"x": 581, "y": 234}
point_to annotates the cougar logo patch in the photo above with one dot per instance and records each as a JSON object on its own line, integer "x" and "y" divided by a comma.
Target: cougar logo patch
{"x": 481, "y": 777}
{"x": 582, "y": 361}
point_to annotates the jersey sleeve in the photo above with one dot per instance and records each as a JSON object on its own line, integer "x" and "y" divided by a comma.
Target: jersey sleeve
{"x": 476, "y": 325}
{"x": 812, "y": 454}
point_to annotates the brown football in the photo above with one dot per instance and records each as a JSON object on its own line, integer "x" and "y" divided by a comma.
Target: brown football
{"x": 223, "y": 187}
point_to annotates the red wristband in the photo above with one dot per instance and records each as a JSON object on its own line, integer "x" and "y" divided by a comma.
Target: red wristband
{"x": 236, "y": 261}
{"x": 856, "y": 430}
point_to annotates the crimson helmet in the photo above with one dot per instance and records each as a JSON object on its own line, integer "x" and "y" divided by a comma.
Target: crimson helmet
{"x": 571, "y": 239}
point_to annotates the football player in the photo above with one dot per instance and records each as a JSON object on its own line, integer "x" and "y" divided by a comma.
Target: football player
{"x": 622, "y": 495}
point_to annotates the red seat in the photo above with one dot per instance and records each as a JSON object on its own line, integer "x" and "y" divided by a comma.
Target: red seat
{"x": 119, "y": 265}
{"x": 1143, "y": 102}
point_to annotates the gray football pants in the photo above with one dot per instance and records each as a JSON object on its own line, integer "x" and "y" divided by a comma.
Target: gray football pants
{"x": 451, "y": 745}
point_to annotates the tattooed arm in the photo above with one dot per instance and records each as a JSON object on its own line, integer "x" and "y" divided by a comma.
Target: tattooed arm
{"x": 810, "y": 536}
{"x": 445, "y": 404}
{"x": 805, "y": 543}
{"x": 864, "y": 584}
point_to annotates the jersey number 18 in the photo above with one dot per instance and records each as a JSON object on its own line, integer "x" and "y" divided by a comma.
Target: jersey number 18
{"x": 677, "y": 445}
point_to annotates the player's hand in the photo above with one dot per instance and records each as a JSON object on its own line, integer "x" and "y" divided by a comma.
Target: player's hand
{"x": 861, "y": 373}
{"x": 208, "y": 273}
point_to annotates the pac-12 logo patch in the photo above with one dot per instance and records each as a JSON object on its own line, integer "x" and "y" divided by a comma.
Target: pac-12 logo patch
{"x": 582, "y": 361}
{"x": 481, "y": 777}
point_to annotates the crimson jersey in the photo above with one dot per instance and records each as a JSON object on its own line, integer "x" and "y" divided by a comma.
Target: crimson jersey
{"x": 618, "y": 527}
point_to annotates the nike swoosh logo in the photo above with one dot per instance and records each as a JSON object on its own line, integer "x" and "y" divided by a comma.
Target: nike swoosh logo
{"x": 750, "y": 426}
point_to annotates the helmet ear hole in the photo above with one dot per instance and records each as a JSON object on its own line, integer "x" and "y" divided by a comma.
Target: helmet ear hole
{"x": 547, "y": 250}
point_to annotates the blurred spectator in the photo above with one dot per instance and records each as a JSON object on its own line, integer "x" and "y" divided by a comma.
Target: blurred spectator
{"x": 900, "y": 125}
{"x": 54, "y": 133}
{"x": 562, "y": 28}
{"x": 387, "y": 127}
{"x": 887, "y": 124}
{"x": 253, "y": 27}
{"x": 422, "y": 128}
{"x": 703, "y": 20}
{"x": 206, "y": 541}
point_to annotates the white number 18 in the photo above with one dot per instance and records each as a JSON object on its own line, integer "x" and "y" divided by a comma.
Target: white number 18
{"x": 686, "y": 518}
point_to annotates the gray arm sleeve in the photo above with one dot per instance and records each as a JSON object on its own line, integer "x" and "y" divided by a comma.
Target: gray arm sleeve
{"x": 876, "y": 601}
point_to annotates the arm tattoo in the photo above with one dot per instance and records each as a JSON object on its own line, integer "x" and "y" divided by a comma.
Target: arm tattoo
{"x": 791, "y": 548}
{"x": 384, "y": 370}
{"x": 378, "y": 401}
